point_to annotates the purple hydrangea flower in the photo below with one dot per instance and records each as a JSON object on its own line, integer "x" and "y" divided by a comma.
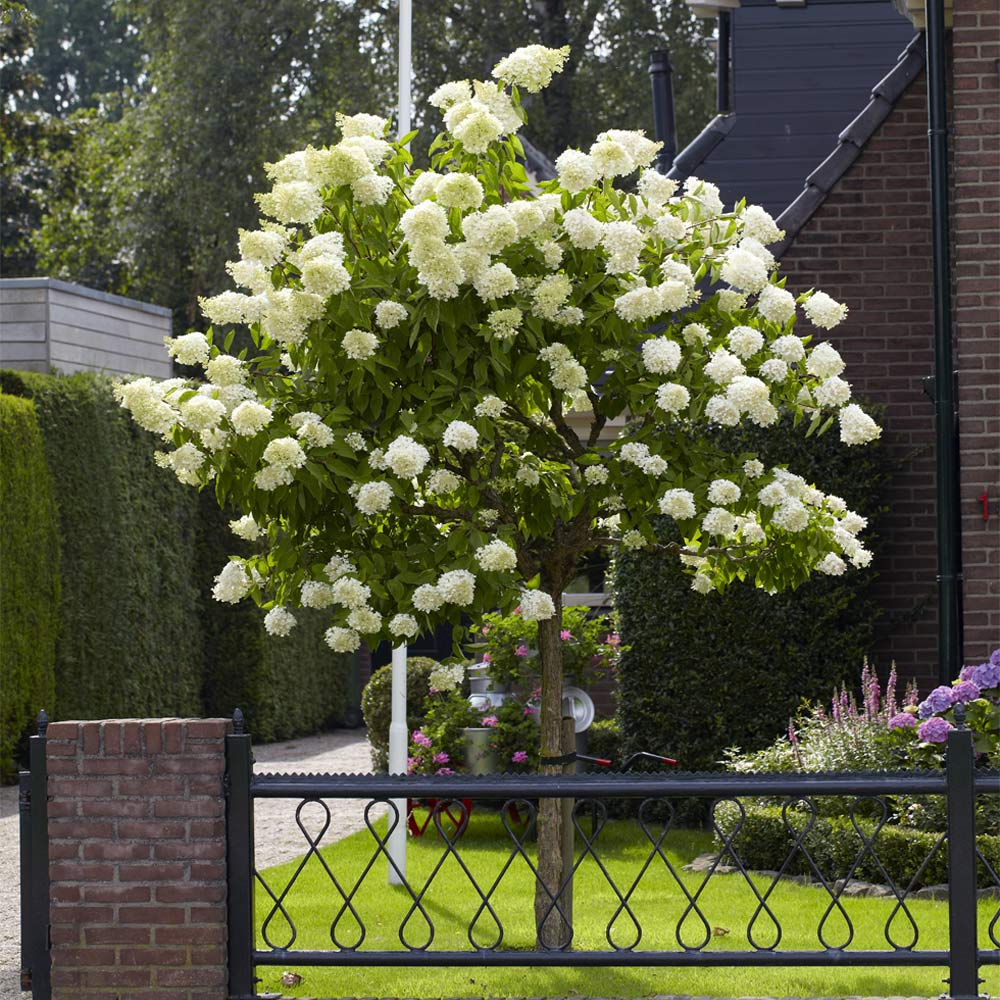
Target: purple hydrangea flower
{"x": 986, "y": 676}
{"x": 420, "y": 738}
{"x": 519, "y": 757}
{"x": 521, "y": 650}
{"x": 939, "y": 700}
{"x": 903, "y": 721}
{"x": 935, "y": 730}
{"x": 995, "y": 658}
{"x": 441, "y": 758}
{"x": 444, "y": 770}
{"x": 964, "y": 692}
{"x": 490, "y": 720}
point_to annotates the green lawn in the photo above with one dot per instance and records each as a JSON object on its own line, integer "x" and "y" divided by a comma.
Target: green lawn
{"x": 658, "y": 903}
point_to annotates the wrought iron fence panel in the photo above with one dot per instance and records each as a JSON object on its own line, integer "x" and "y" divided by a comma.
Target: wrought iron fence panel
{"x": 649, "y": 912}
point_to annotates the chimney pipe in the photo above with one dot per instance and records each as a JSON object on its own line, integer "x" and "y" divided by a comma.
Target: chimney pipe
{"x": 664, "y": 124}
{"x": 723, "y": 56}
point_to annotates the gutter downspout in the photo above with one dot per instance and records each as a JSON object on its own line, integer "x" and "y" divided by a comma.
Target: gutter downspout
{"x": 723, "y": 62}
{"x": 945, "y": 413}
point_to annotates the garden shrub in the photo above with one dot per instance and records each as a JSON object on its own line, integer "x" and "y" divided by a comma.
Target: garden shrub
{"x": 763, "y": 842}
{"x": 29, "y": 580}
{"x": 604, "y": 740}
{"x": 376, "y": 705}
{"x": 129, "y": 644}
{"x": 701, "y": 673}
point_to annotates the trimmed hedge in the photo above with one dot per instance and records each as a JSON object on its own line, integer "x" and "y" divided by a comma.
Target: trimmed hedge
{"x": 130, "y": 641}
{"x": 29, "y": 579}
{"x": 705, "y": 672}
{"x": 763, "y": 843}
{"x": 141, "y": 633}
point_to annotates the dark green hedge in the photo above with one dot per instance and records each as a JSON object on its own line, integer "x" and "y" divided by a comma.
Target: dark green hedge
{"x": 763, "y": 843}
{"x": 706, "y": 672}
{"x": 29, "y": 578}
{"x": 141, "y": 634}
{"x": 130, "y": 642}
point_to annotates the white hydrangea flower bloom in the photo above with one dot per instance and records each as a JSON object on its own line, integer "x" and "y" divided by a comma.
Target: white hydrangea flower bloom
{"x": 753, "y": 469}
{"x": 189, "y": 349}
{"x": 460, "y": 436}
{"x": 719, "y": 522}
{"x": 672, "y": 397}
{"x": 292, "y": 202}
{"x": 202, "y": 413}
{"x": 695, "y": 333}
{"x": 655, "y": 188}
{"x": 232, "y": 584}
{"x": 611, "y": 159}
{"x": 745, "y": 341}
{"x": 496, "y": 557}
{"x": 856, "y": 427}
{"x": 404, "y": 626}
{"x": 633, "y": 540}
{"x": 442, "y": 481}
{"x": 774, "y": 370}
{"x": 364, "y": 620}
{"x": 359, "y": 345}
{"x": 491, "y": 406}
{"x": 670, "y": 229}
{"x": 550, "y": 294}
{"x": 536, "y": 606}
{"x": 279, "y": 621}
{"x": 720, "y": 410}
{"x": 831, "y": 565}
{"x": 661, "y": 355}
{"x": 832, "y": 392}
{"x": 316, "y": 594}
{"x": 583, "y": 230}
{"x": 639, "y": 304}
{"x": 285, "y": 452}
{"x": 576, "y": 170}
{"x": 702, "y": 584}
{"x": 406, "y": 457}
{"x": 250, "y": 417}
{"x": 374, "y": 497}
{"x": 623, "y": 242}
{"x": 245, "y": 527}
{"x": 457, "y": 586}
{"x": 225, "y": 370}
{"x": 772, "y": 495}
{"x": 824, "y": 360}
{"x": 655, "y": 465}
{"x": 634, "y": 452}
{"x": 531, "y": 67}
{"x": 459, "y": 190}
{"x": 730, "y": 301}
{"x": 596, "y": 475}
{"x": 789, "y": 349}
{"x": 723, "y": 491}
{"x": 747, "y": 393}
{"x": 427, "y": 598}
{"x": 723, "y": 367}
{"x": 823, "y": 311}
{"x": 504, "y": 323}
{"x": 792, "y": 515}
{"x": 355, "y": 441}
{"x": 492, "y": 229}
{"x": 758, "y": 225}
{"x": 775, "y": 304}
{"x": 315, "y": 434}
{"x": 450, "y": 93}
{"x": 272, "y": 476}
{"x": 527, "y": 476}
{"x": 342, "y": 640}
{"x": 263, "y": 246}
{"x": 350, "y": 592}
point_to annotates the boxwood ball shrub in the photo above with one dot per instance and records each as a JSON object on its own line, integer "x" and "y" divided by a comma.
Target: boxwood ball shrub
{"x": 376, "y": 704}
{"x": 29, "y": 583}
{"x": 704, "y": 672}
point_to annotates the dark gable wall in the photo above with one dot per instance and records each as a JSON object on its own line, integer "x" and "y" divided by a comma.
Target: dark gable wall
{"x": 800, "y": 75}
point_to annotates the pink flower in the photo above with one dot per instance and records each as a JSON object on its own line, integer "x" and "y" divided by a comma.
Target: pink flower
{"x": 444, "y": 770}
{"x": 517, "y": 610}
{"x": 411, "y": 765}
{"x": 530, "y": 710}
{"x": 490, "y": 720}
{"x": 420, "y": 738}
{"x": 521, "y": 650}
{"x": 614, "y": 640}
{"x": 441, "y": 758}
{"x": 487, "y": 658}
{"x": 565, "y": 635}
{"x": 519, "y": 757}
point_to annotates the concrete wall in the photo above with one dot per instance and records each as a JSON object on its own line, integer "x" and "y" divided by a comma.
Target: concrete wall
{"x": 49, "y": 325}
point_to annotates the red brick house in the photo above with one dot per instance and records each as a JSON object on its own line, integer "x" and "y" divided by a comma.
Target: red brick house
{"x": 859, "y": 227}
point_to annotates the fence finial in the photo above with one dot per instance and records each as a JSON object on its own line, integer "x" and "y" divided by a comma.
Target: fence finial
{"x": 960, "y": 713}
{"x": 43, "y": 722}
{"x": 238, "y": 722}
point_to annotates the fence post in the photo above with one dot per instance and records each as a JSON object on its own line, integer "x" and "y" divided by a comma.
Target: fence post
{"x": 963, "y": 945}
{"x": 37, "y": 961}
{"x": 239, "y": 861}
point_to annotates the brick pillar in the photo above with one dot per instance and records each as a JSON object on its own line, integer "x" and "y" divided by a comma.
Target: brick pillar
{"x": 137, "y": 848}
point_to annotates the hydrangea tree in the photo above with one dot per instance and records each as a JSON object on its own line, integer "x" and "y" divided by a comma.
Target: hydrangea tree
{"x": 423, "y": 426}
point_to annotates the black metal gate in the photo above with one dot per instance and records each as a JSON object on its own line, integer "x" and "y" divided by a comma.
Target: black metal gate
{"x": 960, "y": 783}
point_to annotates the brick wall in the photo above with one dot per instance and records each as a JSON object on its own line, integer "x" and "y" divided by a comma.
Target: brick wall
{"x": 137, "y": 859}
{"x": 976, "y": 265}
{"x": 869, "y": 245}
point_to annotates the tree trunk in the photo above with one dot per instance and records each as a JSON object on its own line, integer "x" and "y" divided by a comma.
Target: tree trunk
{"x": 552, "y": 927}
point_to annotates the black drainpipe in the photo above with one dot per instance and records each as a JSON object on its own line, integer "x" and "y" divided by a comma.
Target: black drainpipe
{"x": 664, "y": 123}
{"x": 723, "y": 60}
{"x": 945, "y": 414}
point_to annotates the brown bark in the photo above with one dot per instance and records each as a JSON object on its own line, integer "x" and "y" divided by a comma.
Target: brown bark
{"x": 551, "y": 927}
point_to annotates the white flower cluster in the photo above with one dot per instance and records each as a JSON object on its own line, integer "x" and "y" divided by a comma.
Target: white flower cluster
{"x": 446, "y": 676}
{"x": 565, "y": 372}
{"x": 279, "y": 621}
{"x": 496, "y": 557}
{"x": 536, "y": 606}
{"x": 406, "y": 457}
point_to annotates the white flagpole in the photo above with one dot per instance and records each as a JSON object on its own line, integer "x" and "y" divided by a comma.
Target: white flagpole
{"x": 398, "y": 730}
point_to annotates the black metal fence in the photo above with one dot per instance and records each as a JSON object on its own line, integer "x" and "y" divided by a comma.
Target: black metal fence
{"x": 488, "y": 942}
{"x": 36, "y": 961}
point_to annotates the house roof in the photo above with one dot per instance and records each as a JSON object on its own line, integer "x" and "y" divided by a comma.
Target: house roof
{"x": 852, "y": 141}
